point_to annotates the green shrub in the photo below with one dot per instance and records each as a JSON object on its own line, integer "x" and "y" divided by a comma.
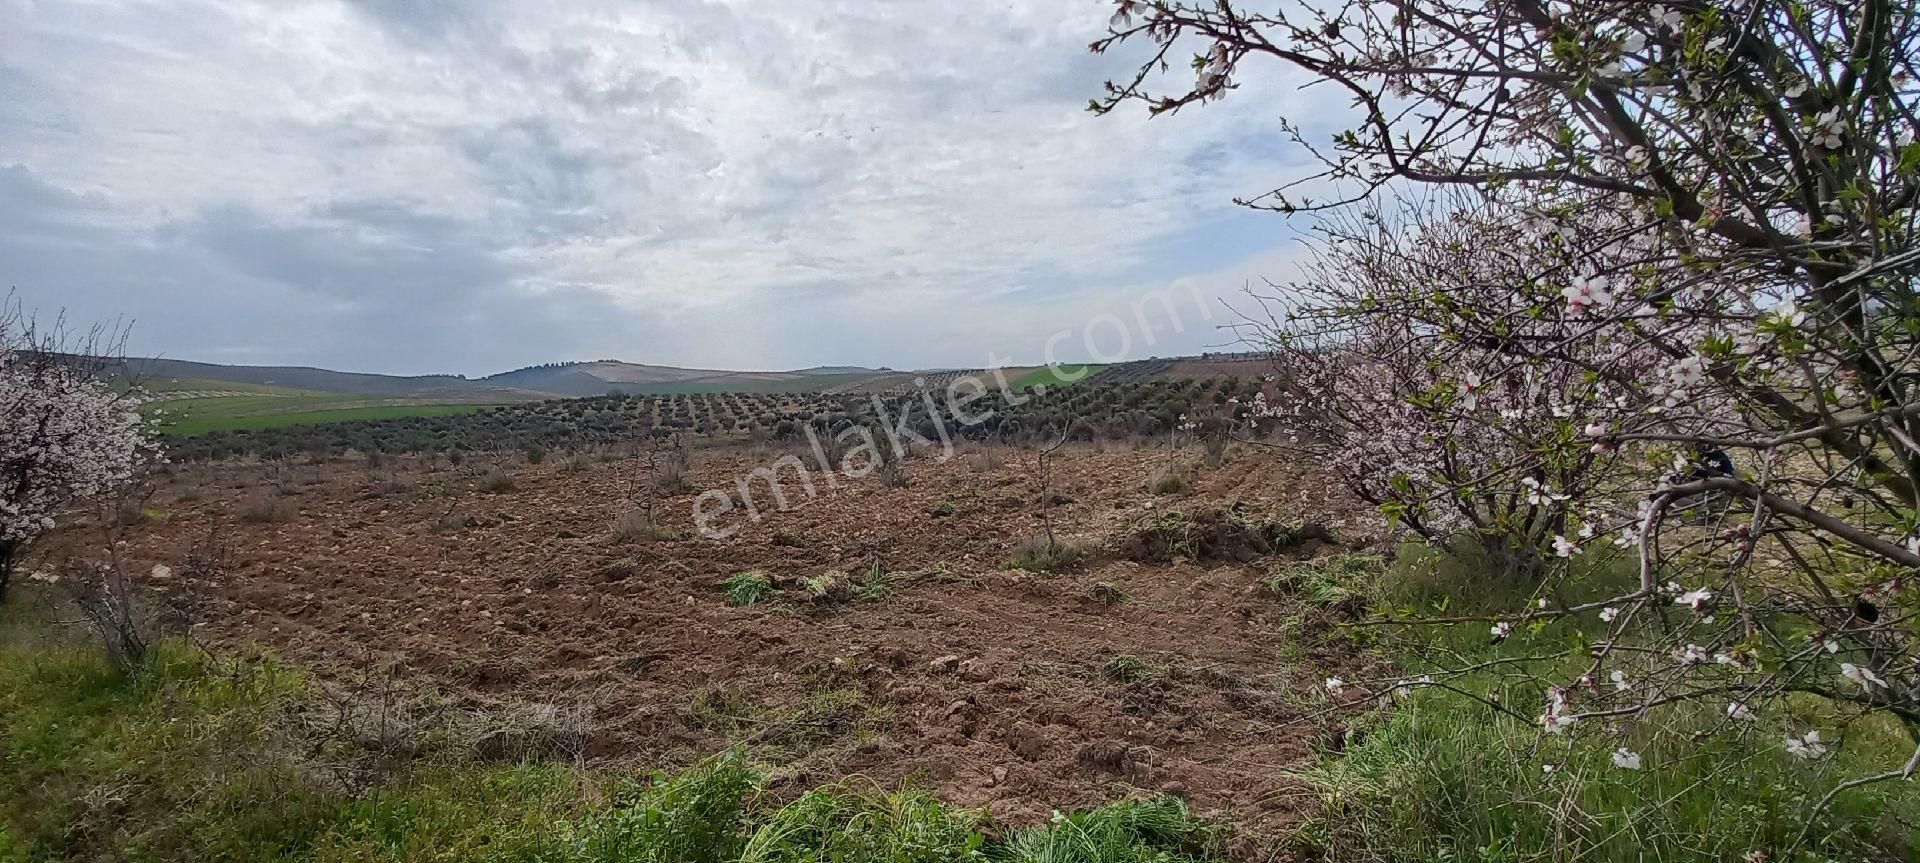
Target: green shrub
{"x": 1155, "y": 831}
{"x": 747, "y": 588}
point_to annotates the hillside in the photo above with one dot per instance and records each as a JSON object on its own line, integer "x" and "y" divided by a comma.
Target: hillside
{"x": 601, "y": 377}
{"x": 185, "y": 379}
{"x": 162, "y": 374}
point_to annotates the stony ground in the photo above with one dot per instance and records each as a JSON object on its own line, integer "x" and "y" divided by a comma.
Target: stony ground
{"x": 999, "y": 688}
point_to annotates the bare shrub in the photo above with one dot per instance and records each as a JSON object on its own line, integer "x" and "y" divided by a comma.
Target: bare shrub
{"x": 131, "y": 507}
{"x": 389, "y": 483}
{"x": 268, "y": 508}
{"x": 577, "y": 462}
{"x": 985, "y": 461}
{"x": 450, "y": 521}
{"x": 640, "y": 525}
{"x": 634, "y": 524}
{"x": 891, "y": 475}
{"x": 1169, "y": 479}
{"x": 105, "y": 599}
{"x": 496, "y": 480}
{"x": 670, "y": 477}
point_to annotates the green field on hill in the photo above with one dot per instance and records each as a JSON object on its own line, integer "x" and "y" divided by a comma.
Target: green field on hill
{"x": 220, "y": 419}
{"x": 232, "y": 406}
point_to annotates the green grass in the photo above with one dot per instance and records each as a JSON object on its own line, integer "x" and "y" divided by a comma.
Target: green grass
{"x": 231, "y": 760}
{"x": 746, "y": 588}
{"x": 1343, "y": 577}
{"x": 189, "y": 417}
{"x": 1442, "y": 776}
{"x": 1050, "y": 376}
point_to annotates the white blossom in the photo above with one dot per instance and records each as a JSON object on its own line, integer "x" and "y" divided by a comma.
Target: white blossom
{"x": 1694, "y": 598}
{"x": 1807, "y": 746}
{"x": 1556, "y": 719}
{"x": 1470, "y": 389}
{"x": 1669, "y": 19}
{"x": 1587, "y": 292}
{"x": 1828, "y": 128}
{"x": 1861, "y": 675}
{"x": 1692, "y": 654}
{"x": 1788, "y": 313}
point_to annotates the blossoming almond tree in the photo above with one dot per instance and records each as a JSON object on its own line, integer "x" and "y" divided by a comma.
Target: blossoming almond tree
{"x": 64, "y": 436}
{"x": 1709, "y": 206}
{"x": 1448, "y": 434}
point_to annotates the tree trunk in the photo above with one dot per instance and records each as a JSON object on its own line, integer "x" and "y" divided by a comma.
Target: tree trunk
{"x": 9, "y": 551}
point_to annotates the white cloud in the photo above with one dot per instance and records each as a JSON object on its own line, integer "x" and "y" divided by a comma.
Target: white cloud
{"x": 673, "y": 159}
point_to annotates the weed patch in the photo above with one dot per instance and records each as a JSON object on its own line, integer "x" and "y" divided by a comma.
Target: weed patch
{"x": 1211, "y": 534}
{"x": 1040, "y": 554}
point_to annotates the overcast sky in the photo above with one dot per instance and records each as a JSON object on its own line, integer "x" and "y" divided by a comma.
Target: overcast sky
{"x": 411, "y": 186}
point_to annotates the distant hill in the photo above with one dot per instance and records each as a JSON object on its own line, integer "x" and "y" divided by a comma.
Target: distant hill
{"x": 601, "y": 377}
{"x": 322, "y": 380}
{"x": 838, "y": 370}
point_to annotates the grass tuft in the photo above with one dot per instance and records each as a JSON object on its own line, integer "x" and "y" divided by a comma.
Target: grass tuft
{"x": 1038, "y": 554}
{"x": 747, "y": 588}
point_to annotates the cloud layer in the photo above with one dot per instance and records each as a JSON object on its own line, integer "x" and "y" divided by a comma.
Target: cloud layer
{"x": 469, "y": 186}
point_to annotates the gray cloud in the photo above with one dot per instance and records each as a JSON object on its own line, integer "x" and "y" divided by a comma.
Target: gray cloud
{"x": 425, "y": 186}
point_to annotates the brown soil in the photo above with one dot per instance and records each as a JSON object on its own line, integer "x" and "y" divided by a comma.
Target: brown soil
{"x": 1204, "y": 369}
{"x": 989, "y": 685}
